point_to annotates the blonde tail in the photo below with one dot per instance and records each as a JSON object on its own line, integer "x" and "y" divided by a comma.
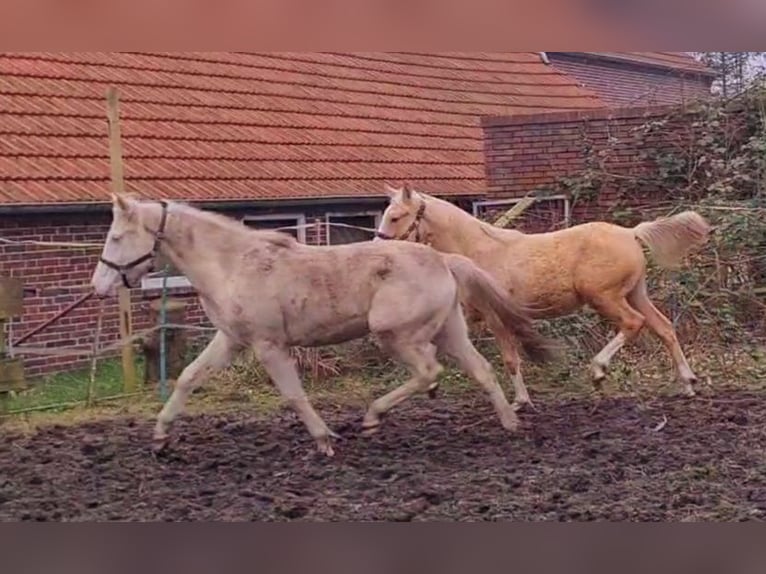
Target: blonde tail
{"x": 670, "y": 239}
{"x": 482, "y": 291}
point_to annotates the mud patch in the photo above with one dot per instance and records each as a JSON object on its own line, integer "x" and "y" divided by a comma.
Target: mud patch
{"x": 433, "y": 459}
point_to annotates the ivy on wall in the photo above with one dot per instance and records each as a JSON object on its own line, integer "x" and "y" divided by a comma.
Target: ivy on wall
{"x": 710, "y": 157}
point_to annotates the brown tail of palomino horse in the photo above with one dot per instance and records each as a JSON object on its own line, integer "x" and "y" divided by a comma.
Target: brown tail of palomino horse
{"x": 494, "y": 302}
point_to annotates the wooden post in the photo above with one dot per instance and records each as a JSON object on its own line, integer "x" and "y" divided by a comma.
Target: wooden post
{"x": 126, "y": 331}
{"x": 115, "y": 140}
{"x": 90, "y": 395}
{"x": 514, "y": 212}
{"x": 118, "y": 187}
{"x": 11, "y": 370}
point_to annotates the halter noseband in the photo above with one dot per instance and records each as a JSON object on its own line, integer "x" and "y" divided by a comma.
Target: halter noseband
{"x": 159, "y": 235}
{"x": 414, "y": 226}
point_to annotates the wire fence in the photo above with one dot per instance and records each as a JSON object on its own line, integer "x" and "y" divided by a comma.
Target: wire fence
{"x": 681, "y": 300}
{"x": 96, "y": 351}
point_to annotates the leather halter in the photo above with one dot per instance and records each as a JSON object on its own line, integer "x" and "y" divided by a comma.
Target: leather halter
{"x": 159, "y": 235}
{"x": 414, "y": 226}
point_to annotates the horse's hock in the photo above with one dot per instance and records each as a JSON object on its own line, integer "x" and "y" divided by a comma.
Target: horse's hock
{"x": 11, "y": 370}
{"x": 175, "y": 341}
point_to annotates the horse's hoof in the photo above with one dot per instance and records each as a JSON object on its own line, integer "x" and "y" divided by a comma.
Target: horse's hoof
{"x": 689, "y": 385}
{"x": 510, "y": 421}
{"x": 160, "y": 445}
{"x": 324, "y": 446}
{"x": 598, "y": 382}
{"x": 433, "y": 391}
{"x": 370, "y": 428}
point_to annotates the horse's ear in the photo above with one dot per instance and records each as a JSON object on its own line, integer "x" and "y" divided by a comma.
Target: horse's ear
{"x": 391, "y": 192}
{"x": 407, "y": 193}
{"x": 122, "y": 203}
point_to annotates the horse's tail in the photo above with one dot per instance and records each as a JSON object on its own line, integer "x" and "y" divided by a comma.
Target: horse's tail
{"x": 482, "y": 291}
{"x": 670, "y": 239}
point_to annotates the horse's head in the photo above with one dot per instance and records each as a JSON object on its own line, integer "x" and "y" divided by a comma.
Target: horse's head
{"x": 403, "y": 218}
{"x": 130, "y": 248}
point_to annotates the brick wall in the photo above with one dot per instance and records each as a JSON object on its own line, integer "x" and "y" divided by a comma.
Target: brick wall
{"x": 526, "y": 154}
{"x": 622, "y": 84}
{"x": 68, "y": 271}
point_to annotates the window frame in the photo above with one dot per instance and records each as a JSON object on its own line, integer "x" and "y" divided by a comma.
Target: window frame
{"x": 299, "y": 218}
{"x": 153, "y": 281}
{"x": 377, "y": 214}
{"x": 513, "y": 201}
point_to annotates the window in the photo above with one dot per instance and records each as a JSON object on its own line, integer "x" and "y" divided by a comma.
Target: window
{"x": 546, "y": 213}
{"x": 154, "y": 280}
{"x": 339, "y": 234}
{"x": 278, "y": 222}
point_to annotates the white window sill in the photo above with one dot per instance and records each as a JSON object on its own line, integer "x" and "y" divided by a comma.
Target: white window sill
{"x": 175, "y": 282}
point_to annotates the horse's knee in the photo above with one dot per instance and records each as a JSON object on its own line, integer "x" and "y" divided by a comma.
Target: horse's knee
{"x": 631, "y": 326}
{"x": 185, "y": 382}
{"x": 511, "y": 358}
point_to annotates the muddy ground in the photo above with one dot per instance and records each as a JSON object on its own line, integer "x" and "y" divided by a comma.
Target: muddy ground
{"x": 442, "y": 459}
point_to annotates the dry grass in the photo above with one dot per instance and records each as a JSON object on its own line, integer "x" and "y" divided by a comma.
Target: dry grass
{"x": 356, "y": 373}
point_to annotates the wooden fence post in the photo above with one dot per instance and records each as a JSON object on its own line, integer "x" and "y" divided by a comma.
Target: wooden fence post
{"x": 126, "y": 331}
{"x": 11, "y": 370}
{"x": 118, "y": 186}
{"x": 115, "y": 140}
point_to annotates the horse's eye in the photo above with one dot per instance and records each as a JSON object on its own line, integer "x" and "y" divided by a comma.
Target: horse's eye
{"x": 395, "y": 219}
{"x": 116, "y": 238}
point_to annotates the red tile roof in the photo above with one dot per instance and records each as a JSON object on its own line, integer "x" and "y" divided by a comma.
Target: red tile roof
{"x": 232, "y": 126}
{"x": 679, "y": 61}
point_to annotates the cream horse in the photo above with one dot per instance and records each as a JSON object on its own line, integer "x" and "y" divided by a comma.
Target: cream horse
{"x": 266, "y": 291}
{"x": 553, "y": 274}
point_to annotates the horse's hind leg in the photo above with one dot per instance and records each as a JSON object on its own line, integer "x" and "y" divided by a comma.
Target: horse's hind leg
{"x": 510, "y": 351}
{"x": 629, "y": 322}
{"x": 663, "y": 328}
{"x": 421, "y": 360}
{"x": 216, "y": 356}
{"x": 454, "y": 341}
{"x": 281, "y": 368}
{"x": 474, "y": 320}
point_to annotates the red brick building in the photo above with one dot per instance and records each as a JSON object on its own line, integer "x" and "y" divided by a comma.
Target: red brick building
{"x": 274, "y": 139}
{"x": 533, "y": 154}
{"x": 637, "y": 78}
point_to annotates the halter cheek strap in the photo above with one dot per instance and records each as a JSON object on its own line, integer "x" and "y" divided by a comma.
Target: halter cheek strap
{"x": 414, "y": 226}
{"x": 159, "y": 235}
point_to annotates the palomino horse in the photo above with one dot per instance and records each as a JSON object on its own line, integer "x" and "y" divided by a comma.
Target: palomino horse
{"x": 266, "y": 291}
{"x": 552, "y": 274}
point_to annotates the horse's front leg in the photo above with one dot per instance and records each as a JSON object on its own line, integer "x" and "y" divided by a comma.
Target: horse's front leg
{"x": 216, "y": 356}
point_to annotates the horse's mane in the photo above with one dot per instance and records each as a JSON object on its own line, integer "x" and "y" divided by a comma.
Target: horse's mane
{"x": 497, "y": 233}
{"x": 275, "y": 238}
